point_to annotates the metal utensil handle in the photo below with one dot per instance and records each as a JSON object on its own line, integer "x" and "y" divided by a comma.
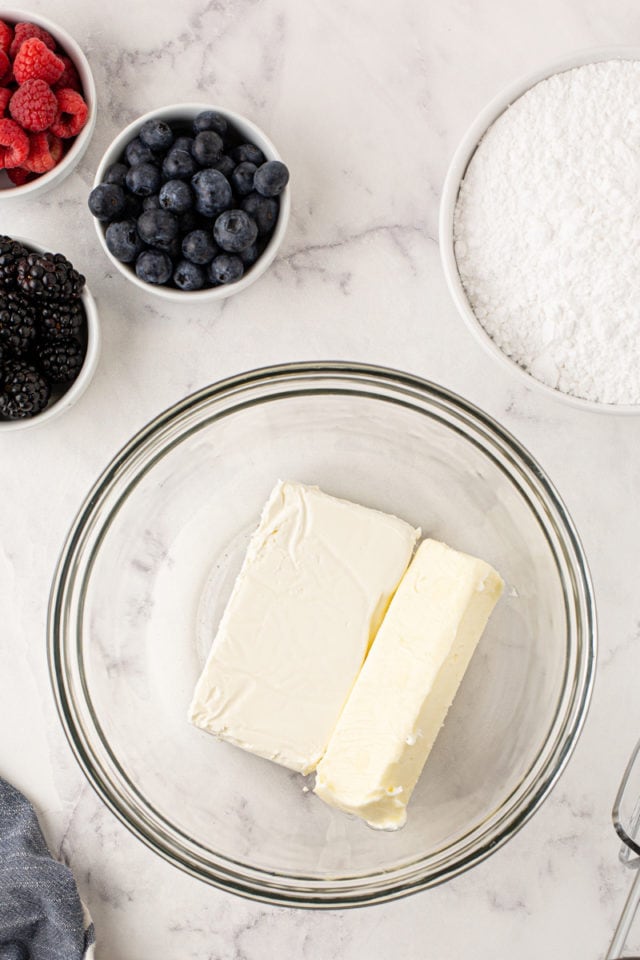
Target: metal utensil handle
{"x": 626, "y": 917}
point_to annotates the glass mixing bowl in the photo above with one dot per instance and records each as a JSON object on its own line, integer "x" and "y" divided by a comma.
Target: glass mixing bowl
{"x": 149, "y": 564}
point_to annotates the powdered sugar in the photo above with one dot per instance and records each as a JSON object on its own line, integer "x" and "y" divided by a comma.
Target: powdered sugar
{"x": 547, "y": 231}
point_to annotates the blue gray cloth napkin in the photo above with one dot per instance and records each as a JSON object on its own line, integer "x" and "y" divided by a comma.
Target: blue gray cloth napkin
{"x": 41, "y": 914}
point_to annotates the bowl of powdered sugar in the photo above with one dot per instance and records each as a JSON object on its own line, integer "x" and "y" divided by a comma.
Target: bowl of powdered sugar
{"x": 540, "y": 229}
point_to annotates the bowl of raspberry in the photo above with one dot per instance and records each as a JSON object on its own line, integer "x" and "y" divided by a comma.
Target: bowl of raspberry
{"x": 47, "y": 104}
{"x": 191, "y": 202}
{"x": 49, "y": 334}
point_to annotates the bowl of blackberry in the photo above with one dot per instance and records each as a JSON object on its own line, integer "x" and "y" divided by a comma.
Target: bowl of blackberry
{"x": 47, "y": 104}
{"x": 49, "y": 336}
{"x": 191, "y": 201}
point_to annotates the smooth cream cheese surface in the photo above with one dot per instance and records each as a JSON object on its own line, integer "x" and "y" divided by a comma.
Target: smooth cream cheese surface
{"x": 315, "y": 583}
{"x": 407, "y": 684}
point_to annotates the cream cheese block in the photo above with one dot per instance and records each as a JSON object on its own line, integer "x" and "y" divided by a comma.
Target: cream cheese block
{"x": 407, "y": 684}
{"x": 315, "y": 584}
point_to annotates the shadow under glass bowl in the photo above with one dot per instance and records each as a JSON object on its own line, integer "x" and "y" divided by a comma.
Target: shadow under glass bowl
{"x": 149, "y": 564}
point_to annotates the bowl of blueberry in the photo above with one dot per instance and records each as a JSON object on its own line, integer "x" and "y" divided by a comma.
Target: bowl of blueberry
{"x": 191, "y": 201}
{"x": 49, "y": 334}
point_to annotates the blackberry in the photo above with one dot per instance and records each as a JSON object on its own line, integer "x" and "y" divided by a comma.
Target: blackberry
{"x": 10, "y": 253}
{"x": 17, "y": 323}
{"x": 60, "y": 358}
{"x": 61, "y": 319}
{"x": 23, "y": 390}
{"x": 48, "y": 276}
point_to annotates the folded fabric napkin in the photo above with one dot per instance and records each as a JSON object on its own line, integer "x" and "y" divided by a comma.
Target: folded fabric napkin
{"x": 41, "y": 914}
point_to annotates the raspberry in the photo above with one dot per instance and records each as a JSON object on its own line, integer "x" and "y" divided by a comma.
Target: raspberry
{"x": 70, "y": 77}
{"x": 20, "y": 176}
{"x": 6, "y": 36}
{"x": 14, "y": 144}
{"x": 34, "y": 106}
{"x": 45, "y": 150}
{"x": 34, "y": 61}
{"x": 5, "y": 64}
{"x": 24, "y": 31}
{"x": 72, "y": 114}
{"x": 5, "y": 96}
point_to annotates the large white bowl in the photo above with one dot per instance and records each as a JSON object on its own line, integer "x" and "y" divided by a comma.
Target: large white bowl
{"x": 187, "y": 112}
{"x": 59, "y": 404}
{"x": 46, "y": 181}
{"x": 455, "y": 174}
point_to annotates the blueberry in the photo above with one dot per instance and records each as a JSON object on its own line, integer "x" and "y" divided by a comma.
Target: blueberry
{"x": 115, "y": 173}
{"x": 207, "y": 148}
{"x": 156, "y": 134}
{"x": 198, "y": 247}
{"x": 264, "y": 211}
{"x": 210, "y": 120}
{"x": 271, "y": 178}
{"x": 178, "y": 165}
{"x": 144, "y": 179}
{"x": 183, "y": 143}
{"x": 138, "y": 152}
{"x": 175, "y": 195}
{"x": 152, "y": 202}
{"x": 242, "y": 178}
{"x": 154, "y": 266}
{"x": 225, "y": 269}
{"x": 213, "y": 192}
{"x": 188, "y": 276}
{"x": 123, "y": 240}
{"x": 107, "y": 201}
{"x": 248, "y": 152}
{"x": 250, "y": 255}
{"x": 158, "y": 227}
{"x": 234, "y": 230}
{"x": 225, "y": 165}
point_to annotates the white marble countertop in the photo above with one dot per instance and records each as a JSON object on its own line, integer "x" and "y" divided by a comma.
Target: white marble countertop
{"x": 366, "y": 102}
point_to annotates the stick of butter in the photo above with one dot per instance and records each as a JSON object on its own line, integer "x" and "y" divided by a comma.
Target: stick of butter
{"x": 314, "y": 586}
{"x": 407, "y": 684}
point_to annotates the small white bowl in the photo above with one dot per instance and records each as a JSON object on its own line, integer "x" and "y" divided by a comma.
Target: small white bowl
{"x": 45, "y": 182}
{"x": 455, "y": 175}
{"x": 67, "y": 399}
{"x": 186, "y": 113}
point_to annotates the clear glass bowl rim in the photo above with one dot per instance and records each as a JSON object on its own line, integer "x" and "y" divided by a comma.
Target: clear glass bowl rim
{"x": 271, "y": 887}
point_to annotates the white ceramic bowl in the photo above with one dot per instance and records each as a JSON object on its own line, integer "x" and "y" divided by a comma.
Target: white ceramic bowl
{"x": 62, "y": 399}
{"x": 455, "y": 175}
{"x": 45, "y": 182}
{"x": 187, "y": 112}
